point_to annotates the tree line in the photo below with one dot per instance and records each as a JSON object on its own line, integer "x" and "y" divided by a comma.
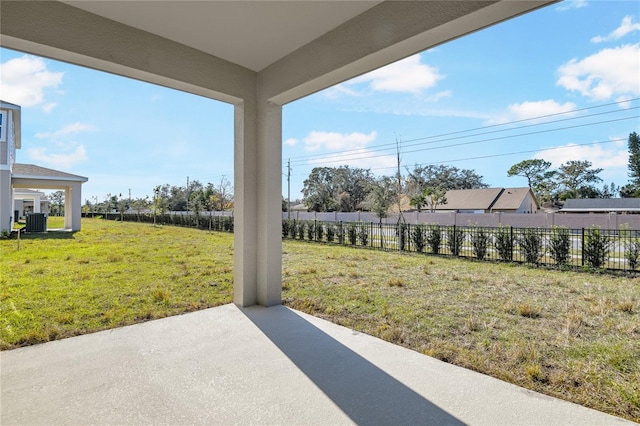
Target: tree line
{"x": 349, "y": 189}
{"x": 194, "y": 197}
{"x": 346, "y": 189}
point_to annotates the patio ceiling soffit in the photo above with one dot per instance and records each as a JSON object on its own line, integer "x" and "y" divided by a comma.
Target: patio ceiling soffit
{"x": 382, "y": 34}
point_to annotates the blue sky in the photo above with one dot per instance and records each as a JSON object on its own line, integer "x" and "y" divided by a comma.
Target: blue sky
{"x": 561, "y": 83}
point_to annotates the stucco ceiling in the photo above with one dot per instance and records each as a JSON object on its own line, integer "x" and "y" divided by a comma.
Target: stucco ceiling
{"x": 233, "y": 50}
{"x": 252, "y": 34}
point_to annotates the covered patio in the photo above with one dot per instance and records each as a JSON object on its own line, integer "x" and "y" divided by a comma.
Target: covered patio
{"x": 267, "y": 366}
{"x": 239, "y": 363}
{"x": 26, "y": 176}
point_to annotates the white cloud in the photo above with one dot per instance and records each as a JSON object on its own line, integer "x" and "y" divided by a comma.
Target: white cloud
{"x": 531, "y": 110}
{"x": 604, "y": 75}
{"x": 408, "y": 75}
{"x": 337, "y": 141}
{"x": 69, "y": 129}
{"x": 626, "y": 27}
{"x": 600, "y": 156}
{"x": 362, "y": 158}
{"x": 572, "y": 4}
{"x": 49, "y": 107}
{"x": 624, "y": 102}
{"x": 335, "y": 92}
{"x": 291, "y": 142}
{"x": 59, "y": 160}
{"x": 25, "y": 79}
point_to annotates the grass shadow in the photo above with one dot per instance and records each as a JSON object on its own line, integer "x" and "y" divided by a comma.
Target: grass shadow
{"x": 48, "y": 235}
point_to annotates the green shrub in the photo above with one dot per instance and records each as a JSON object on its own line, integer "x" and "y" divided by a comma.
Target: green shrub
{"x": 363, "y": 233}
{"x": 293, "y": 230}
{"x": 286, "y": 227}
{"x": 352, "y": 233}
{"x": 401, "y": 231}
{"x": 504, "y": 243}
{"x": 340, "y": 233}
{"x": 632, "y": 252}
{"x": 311, "y": 231}
{"x": 455, "y": 238}
{"x": 434, "y": 238}
{"x": 320, "y": 231}
{"x": 531, "y": 243}
{"x": 480, "y": 242}
{"x": 560, "y": 245}
{"x": 596, "y": 247}
{"x": 418, "y": 236}
{"x": 301, "y": 227}
{"x": 331, "y": 233}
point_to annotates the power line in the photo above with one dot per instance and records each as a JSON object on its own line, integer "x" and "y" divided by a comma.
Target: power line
{"x": 327, "y": 159}
{"x": 391, "y": 146}
{"x": 510, "y": 153}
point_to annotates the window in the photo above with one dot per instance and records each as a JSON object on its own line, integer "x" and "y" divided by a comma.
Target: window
{"x": 3, "y": 126}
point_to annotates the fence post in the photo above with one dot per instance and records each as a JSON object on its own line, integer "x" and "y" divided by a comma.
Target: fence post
{"x": 511, "y": 244}
{"x": 582, "y": 248}
{"x": 455, "y": 240}
{"x": 371, "y": 234}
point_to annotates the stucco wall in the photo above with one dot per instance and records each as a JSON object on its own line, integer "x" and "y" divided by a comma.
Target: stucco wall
{"x": 4, "y": 156}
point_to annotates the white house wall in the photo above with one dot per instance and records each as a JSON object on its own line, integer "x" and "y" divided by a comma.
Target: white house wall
{"x": 6, "y": 214}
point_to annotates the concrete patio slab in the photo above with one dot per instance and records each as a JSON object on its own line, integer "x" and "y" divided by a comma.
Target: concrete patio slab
{"x": 257, "y": 365}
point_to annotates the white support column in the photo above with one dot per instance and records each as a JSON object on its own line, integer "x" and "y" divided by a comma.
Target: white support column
{"x": 36, "y": 203}
{"x": 257, "y": 208}
{"x": 73, "y": 207}
{"x": 6, "y": 201}
{"x": 67, "y": 208}
{"x": 76, "y": 206}
{"x": 269, "y": 204}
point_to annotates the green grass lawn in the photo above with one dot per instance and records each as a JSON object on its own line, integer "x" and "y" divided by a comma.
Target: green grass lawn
{"x": 568, "y": 334}
{"x": 110, "y": 274}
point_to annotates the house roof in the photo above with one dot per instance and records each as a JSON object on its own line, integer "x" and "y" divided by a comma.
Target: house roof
{"x": 486, "y": 199}
{"x": 9, "y": 105}
{"x": 30, "y": 171}
{"x": 512, "y": 199}
{"x": 18, "y": 191}
{"x": 601, "y": 205}
{"x": 470, "y": 199}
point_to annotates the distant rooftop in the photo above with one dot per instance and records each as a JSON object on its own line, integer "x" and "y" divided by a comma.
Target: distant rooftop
{"x": 32, "y": 171}
{"x": 601, "y": 205}
{"x": 8, "y": 105}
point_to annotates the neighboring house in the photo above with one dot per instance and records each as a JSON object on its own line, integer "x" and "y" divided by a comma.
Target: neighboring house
{"x": 15, "y": 177}
{"x": 602, "y": 205}
{"x": 299, "y": 208}
{"x": 27, "y": 201}
{"x": 490, "y": 200}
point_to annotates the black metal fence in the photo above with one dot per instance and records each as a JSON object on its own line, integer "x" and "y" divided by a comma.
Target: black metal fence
{"x": 587, "y": 247}
{"x": 200, "y": 221}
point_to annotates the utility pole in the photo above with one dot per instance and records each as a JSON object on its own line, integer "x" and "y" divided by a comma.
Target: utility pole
{"x": 187, "y": 194}
{"x": 399, "y": 179}
{"x": 289, "y": 188}
{"x": 129, "y": 194}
